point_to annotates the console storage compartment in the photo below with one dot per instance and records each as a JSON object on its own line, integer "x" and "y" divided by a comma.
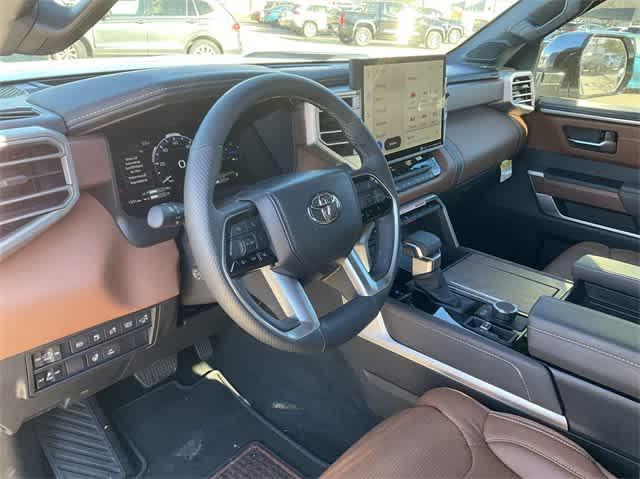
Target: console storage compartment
{"x": 492, "y": 279}
{"x": 593, "y": 345}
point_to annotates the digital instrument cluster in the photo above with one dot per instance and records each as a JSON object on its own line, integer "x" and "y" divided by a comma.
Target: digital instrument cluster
{"x": 151, "y": 170}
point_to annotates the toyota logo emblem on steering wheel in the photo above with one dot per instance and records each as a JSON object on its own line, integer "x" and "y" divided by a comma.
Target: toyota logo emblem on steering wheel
{"x": 324, "y": 208}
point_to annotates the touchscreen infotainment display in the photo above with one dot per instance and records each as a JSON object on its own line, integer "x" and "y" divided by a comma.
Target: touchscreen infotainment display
{"x": 403, "y": 100}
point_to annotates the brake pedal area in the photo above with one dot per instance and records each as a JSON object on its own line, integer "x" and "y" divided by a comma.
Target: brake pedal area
{"x": 158, "y": 371}
{"x": 204, "y": 349}
{"x": 77, "y": 443}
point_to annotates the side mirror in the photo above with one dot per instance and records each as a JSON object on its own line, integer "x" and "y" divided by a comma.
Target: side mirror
{"x": 585, "y": 65}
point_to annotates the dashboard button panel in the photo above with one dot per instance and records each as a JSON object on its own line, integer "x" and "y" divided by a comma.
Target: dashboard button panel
{"x": 71, "y": 356}
{"x": 414, "y": 171}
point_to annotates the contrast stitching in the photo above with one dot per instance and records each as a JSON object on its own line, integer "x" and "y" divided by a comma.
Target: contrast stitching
{"x": 524, "y": 383}
{"x": 541, "y": 431}
{"x": 142, "y": 96}
{"x": 529, "y": 447}
{"x": 586, "y": 346}
{"x": 116, "y": 105}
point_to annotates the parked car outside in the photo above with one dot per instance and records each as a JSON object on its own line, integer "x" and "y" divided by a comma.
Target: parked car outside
{"x": 454, "y": 30}
{"x": 272, "y": 16}
{"x": 155, "y": 27}
{"x": 307, "y": 20}
{"x": 398, "y": 22}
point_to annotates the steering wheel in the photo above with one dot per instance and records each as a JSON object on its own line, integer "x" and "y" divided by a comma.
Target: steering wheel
{"x": 294, "y": 227}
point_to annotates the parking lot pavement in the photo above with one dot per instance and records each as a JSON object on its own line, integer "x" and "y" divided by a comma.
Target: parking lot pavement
{"x": 258, "y": 37}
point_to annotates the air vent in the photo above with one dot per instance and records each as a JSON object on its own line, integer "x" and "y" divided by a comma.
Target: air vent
{"x": 331, "y": 135}
{"x": 37, "y": 183}
{"x": 17, "y": 113}
{"x": 11, "y": 92}
{"x": 522, "y": 90}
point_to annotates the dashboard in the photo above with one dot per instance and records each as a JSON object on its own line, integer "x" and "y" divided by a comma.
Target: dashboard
{"x": 150, "y": 163}
{"x": 128, "y": 136}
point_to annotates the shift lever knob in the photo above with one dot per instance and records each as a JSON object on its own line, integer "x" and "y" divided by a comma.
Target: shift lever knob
{"x": 424, "y": 248}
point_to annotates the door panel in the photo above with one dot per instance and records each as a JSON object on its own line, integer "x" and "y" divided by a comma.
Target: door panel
{"x": 577, "y": 192}
{"x": 553, "y": 132}
{"x": 587, "y": 196}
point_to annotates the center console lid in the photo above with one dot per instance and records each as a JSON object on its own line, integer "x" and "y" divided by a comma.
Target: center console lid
{"x": 493, "y": 279}
{"x": 588, "y": 343}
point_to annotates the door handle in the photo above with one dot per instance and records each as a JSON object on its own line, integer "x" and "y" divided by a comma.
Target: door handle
{"x": 607, "y": 145}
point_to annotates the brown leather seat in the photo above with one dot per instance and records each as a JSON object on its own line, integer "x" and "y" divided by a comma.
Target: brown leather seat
{"x": 449, "y": 435}
{"x": 563, "y": 264}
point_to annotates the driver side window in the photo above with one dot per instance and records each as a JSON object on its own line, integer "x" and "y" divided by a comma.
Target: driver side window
{"x": 594, "y": 61}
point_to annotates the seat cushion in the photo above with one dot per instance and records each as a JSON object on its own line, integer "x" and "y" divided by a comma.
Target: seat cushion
{"x": 563, "y": 264}
{"x": 449, "y": 435}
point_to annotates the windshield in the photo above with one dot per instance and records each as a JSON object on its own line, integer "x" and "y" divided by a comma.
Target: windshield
{"x": 135, "y": 32}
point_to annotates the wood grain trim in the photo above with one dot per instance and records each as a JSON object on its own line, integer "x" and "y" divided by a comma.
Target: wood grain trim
{"x": 79, "y": 273}
{"x": 598, "y": 197}
{"x": 546, "y": 133}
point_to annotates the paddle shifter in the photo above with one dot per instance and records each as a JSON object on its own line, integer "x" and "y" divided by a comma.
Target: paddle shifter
{"x": 424, "y": 249}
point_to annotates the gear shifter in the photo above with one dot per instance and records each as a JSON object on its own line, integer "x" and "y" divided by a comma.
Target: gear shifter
{"x": 424, "y": 249}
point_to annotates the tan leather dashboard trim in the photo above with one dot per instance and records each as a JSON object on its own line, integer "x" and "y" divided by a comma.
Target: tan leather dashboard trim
{"x": 79, "y": 273}
{"x": 546, "y": 133}
{"x": 482, "y": 138}
{"x": 598, "y": 197}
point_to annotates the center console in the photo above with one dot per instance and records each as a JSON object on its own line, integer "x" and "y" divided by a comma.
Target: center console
{"x": 481, "y": 293}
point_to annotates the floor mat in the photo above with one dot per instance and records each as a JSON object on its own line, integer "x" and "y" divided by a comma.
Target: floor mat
{"x": 190, "y": 432}
{"x": 256, "y": 462}
{"x": 314, "y": 399}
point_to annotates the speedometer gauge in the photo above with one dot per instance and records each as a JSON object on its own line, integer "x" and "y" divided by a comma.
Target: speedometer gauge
{"x": 169, "y": 159}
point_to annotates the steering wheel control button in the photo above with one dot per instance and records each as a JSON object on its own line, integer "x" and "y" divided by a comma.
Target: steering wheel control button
{"x": 248, "y": 244}
{"x": 375, "y": 201}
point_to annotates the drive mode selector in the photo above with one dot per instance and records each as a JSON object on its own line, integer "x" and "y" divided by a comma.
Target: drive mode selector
{"x": 504, "y": 312}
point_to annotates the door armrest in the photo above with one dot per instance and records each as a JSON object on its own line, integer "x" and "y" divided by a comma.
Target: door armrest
{"x": 608, "y": 273}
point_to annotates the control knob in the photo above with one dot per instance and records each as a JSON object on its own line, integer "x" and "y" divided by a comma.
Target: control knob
{"x": 504, "y": 311}
{"x": 166, "y": 215}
